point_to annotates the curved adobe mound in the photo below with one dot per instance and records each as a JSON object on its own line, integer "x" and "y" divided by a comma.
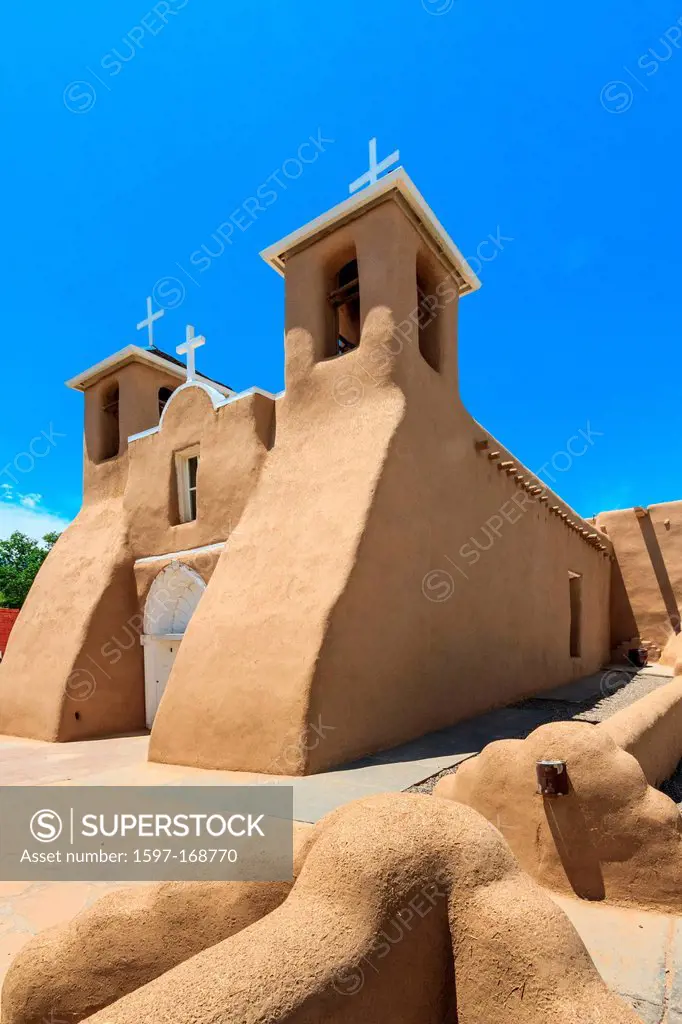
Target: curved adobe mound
{"x": 126, "y": 939}
{"x": 602, "y": 839}
{"x": 390, "y": 887}
{"x": 651, "y": 730}
{"x": 123, "y": 941}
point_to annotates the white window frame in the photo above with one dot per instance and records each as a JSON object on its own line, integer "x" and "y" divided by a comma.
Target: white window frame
{"x": 182, "y": 476}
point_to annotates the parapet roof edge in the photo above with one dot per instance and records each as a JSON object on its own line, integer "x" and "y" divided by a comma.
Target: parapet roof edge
{"x": 217, "y": 404}
{"x": 397, "y": 181}
{"x": 134, "y": 353}
{"x": 592, "y": 527}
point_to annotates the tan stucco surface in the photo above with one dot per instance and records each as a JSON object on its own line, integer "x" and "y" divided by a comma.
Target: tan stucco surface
{"x": 126, "y": 939}
{"x": 651, "y": 730}
{"x": 54, "y": 669}
{"x": 75, "y": 669}
{"x": 611, "y": 837}
{"x": 647, "y": 583}
{"x": 317, "y": 609}
{"x": 374, "y": 548}
{"x": 407, "y": 909}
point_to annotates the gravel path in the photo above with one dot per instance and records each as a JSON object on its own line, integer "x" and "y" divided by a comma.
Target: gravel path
{"x": 614, "y": 697}
{"x": 639, "y": 687}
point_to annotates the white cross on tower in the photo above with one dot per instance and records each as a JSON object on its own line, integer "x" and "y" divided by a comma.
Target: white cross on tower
{"x": 375, "y": 169}
{"x": 149, "y": 322}
{"x": 188, "y": 347}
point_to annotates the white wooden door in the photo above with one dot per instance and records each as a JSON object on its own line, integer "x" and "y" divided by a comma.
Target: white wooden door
{"x": 171, "y": 602}
{"x": 159, "y": 657}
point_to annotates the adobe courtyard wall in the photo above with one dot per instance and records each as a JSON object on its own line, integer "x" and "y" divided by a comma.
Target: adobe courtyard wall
{"x": 646, "y": 593}
{"x": 369, "y": 929}
{"x": 323, "y": 613}
{"x": 613, "y": 836}
{"x": 129, "y": 937}
{"x": 651, "y": 730}
{"x": 406, "y": 909}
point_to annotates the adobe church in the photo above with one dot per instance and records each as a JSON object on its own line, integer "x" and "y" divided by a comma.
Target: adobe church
{"x": 276, "y": 582}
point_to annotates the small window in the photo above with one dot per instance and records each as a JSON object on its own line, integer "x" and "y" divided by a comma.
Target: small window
{"x": 344, "y": 299}
{"x": 164, "y": 395}
{"x": 186, "y": 471}
{"x": 575, "y": 596}
{"x": 429, "y": 324}
{"x": 109, "y": 425}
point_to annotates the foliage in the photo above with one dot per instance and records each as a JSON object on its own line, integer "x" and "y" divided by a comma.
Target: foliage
{"x": 20, "y": 559}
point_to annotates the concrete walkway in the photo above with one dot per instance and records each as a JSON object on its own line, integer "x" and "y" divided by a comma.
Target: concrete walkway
{"x": 637, "y": 953}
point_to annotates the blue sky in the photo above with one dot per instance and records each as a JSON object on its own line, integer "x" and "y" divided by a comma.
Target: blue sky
{"x": 133, "y": 131}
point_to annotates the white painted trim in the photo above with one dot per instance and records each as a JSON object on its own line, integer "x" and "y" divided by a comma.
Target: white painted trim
{"x": 218, "y": 402}
{"x": 250, "y": 391}
{"x": 397, "y": 180}
{"x": 135, "y": 354}
{"x": 143, "y": 433}
{"x": 178, "y": 570}
{"x": 181, "y": 554}
{"x": 213, "y": 393}
{"x": 182, "y": 460}
{"x": 222, "y": 389}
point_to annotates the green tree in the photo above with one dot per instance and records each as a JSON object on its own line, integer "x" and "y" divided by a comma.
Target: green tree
{"x": 20, "y": 559}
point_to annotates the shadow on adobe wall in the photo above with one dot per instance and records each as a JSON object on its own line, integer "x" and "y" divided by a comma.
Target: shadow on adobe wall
{"x": 580, "y": 861}
{"x": 660, "y": 570}
{"x": 623, "y": 621}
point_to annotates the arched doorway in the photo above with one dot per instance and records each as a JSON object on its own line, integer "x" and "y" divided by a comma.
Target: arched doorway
{"x": 171, "y": 602}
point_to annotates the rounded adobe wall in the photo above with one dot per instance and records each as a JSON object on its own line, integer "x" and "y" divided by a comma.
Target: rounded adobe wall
{"x": 124, "y": 940}
{"x": 390, "y": 886}
{"x": 651, "y": 730}
{"x": 129, "y": 937}
{"x": 601, "y": 839}
{"x": 58, "y": 679}
{"x": 266, "y": 609}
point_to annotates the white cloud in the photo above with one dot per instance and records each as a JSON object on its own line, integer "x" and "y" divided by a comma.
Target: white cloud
{"x": 29, "y": 521}
{"x": 30, "y": 500}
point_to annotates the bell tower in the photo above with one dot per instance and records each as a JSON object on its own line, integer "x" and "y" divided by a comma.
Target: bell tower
{"x": 124, "y": 395}
{"x": 363, "y": 479}
{"x": 376, "y": 275}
